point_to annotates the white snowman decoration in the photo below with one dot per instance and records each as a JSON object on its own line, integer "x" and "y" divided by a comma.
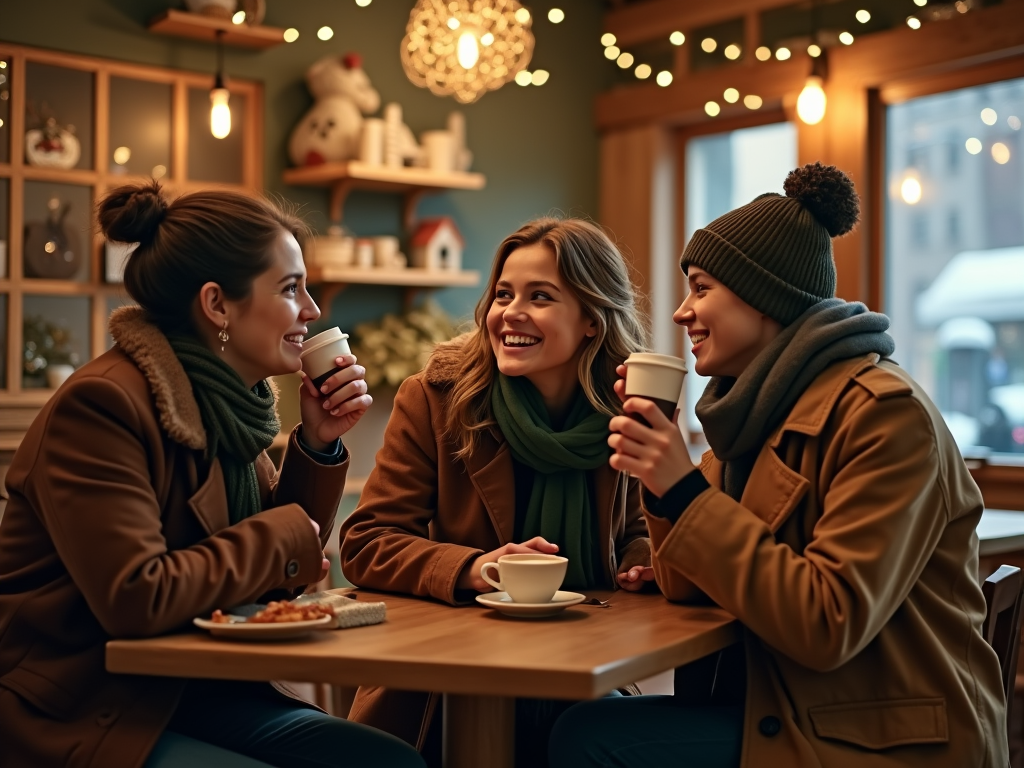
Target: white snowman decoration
{"x": 330, "y": 131}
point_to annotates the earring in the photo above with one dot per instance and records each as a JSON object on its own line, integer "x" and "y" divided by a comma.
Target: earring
{"x": 223, "y": 335}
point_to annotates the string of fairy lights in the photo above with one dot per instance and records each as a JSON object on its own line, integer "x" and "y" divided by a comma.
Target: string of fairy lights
{"x": 812, "y": 101}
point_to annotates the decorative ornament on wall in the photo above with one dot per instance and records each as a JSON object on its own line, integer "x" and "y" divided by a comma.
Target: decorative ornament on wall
{"x": 464, "y": 48}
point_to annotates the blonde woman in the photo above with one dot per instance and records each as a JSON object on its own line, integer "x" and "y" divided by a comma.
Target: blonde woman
{"x": 500, "y": 446}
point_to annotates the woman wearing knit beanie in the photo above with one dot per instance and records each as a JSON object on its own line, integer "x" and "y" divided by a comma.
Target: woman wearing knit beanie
{"x": 833, "y": 516}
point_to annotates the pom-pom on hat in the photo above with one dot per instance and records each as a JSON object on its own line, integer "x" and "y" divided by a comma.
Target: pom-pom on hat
{"x": 775, "y": 252}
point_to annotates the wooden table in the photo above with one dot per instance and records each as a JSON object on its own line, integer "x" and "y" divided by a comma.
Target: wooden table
{"x": 1000, "y": 531}
{"x": 479, "y": 659}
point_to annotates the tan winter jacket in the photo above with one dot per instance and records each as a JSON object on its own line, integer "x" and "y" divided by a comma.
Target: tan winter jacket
{"x": 424, "y": 515}
{"x": 852, "y": 562}
{"x": 117, "y": 527}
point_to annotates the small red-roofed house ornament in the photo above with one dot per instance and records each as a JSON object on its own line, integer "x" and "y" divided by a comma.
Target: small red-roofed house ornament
{"x": 437, "y": 245}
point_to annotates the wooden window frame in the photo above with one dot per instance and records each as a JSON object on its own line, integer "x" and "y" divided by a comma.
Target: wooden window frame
{"x": 986, "y": 45}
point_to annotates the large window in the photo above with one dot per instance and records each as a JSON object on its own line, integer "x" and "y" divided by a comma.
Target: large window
{"x": 725, "y": 171}
{"x": 954, "y": 261}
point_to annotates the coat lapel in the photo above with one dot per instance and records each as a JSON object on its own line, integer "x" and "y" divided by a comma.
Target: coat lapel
{"x": 209, "y": 503}
{"x": 773, "y": 490}
{"x": 493, "y": 476}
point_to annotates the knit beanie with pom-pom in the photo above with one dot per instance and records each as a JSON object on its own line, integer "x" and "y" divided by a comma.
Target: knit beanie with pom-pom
{"x": 775, "y": 252}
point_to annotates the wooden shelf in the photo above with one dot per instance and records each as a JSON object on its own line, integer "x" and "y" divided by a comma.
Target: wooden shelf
{"x": 409, "y": 277}
{"x": 411, "y": 183}
{"x": 382, "y": 177}
{"x": 199, "y": 27}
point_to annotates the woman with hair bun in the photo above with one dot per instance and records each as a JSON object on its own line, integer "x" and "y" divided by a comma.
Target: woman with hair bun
{"x": 833, "y": 517}
{"x": 142, "y": 496}
{"x": 498, "y": 447}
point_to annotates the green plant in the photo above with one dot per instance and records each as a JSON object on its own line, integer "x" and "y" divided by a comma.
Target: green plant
{"x": 46, "y": 344}
{"x": 397, "y": 346}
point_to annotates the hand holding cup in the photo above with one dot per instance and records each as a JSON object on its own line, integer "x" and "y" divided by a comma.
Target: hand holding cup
{"x": 651, "y": 448}
{"x": 333, "y": 396}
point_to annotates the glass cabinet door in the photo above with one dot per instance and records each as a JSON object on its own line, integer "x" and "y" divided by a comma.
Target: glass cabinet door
{"x": 55, "y": 338}
{"x": 57, "y": 231}
{"x": 58, "y": 117}
{"x": 140, "y": 128}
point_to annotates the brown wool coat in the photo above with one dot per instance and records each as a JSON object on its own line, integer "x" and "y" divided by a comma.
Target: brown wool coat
{"x": 116, "y": 528}
{"x": 852, "y": 562}
{"x": 424, "y": 515}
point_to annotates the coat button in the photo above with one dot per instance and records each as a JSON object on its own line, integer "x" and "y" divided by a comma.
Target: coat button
{"x": 105, "y": 717}
{"x": 769, "y": 726}
{"x": 292, "y": 569}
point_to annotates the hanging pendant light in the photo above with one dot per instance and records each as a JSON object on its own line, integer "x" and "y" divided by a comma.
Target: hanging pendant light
{"x": 811, "y": 103}
{"x": 220, "y": 112}
{"x": 464, "y": 48}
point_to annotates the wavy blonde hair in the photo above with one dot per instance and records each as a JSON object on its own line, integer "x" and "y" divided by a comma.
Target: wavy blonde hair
{"x": 592, "y": 267}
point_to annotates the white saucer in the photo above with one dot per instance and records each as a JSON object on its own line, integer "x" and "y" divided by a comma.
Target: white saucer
{"x": 240, "y": 629}
{"x": 500, "y": 601}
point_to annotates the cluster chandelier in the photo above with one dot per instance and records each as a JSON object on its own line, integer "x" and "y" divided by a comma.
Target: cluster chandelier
{"x": 464, "y": 48}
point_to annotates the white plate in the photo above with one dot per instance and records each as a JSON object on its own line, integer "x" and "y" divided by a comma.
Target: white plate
{"x": 500, "y": 601}
{"x": 244, "y": 630}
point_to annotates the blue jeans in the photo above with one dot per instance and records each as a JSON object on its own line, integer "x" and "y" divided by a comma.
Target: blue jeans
{"x": 646, "y": 732}
{"x": 249, "y": 725}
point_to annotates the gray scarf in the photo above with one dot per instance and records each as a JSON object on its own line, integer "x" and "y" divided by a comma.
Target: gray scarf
{"x": 739, "y": 414}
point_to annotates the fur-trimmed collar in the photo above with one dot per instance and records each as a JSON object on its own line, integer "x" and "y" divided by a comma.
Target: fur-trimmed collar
{"x": 149, "y": 349}
{"x": 446, "y": 360}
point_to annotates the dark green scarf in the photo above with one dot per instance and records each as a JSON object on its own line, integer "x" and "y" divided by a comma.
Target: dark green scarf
{"x": 740, "y": 414}
{"x": 240, "y": 423}
{"x": 559, "y": 508}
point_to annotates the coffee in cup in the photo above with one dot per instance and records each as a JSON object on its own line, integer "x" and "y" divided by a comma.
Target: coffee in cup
{"x": 658, "y": 378}
{"x": 527, "y": 578}
{"x": 319, "y": 352}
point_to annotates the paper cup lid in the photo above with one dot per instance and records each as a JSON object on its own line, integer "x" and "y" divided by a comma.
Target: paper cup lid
{"x": 329, "y": 336}
{"x": 651, "y": 358}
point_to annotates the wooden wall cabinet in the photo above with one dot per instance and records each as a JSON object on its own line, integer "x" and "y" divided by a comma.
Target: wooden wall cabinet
{"x": 131, "y": 123}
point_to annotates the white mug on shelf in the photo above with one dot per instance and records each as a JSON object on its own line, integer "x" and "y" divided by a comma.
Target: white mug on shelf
{"x": 371, "y": 147}
{"x": 440, "y": 150}
{"x": 364, "y": 253}
{"x": 385, "y": 251}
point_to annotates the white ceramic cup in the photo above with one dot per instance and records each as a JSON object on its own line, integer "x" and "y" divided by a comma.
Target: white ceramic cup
{"x": 527, "y": 578}
{"x": 656, "y": 377}
{"x": 371, "y": 145}
{"x": 385, "y": 251}
{"x": 364, "y": 253}
{"x": 440, "y": 149}
{"x": 318, "y": 354}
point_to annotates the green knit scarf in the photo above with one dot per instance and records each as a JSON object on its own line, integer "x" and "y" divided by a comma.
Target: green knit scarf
{"x": 240, "y": 423}
{"x": 559, "y": 508}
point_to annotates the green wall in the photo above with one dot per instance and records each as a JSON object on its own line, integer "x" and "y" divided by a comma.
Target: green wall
{"x": 537, "y": 146}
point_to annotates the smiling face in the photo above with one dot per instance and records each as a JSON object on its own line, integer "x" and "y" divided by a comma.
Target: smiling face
{"x": 536, "y": 325}
{"x": 266, "y": 328}
{"x": 726, "y": 332}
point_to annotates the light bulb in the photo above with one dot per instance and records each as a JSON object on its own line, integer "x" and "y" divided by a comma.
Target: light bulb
{"x": 468, "y": 50}
{"x": 810, "y": 105}
{"x": 910, "y": 190}
{"x": 220, "y": 113}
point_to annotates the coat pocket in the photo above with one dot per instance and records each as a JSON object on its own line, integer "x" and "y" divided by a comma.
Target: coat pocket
{"x": 883, "y": 724}
{"x": 43, "y": 694}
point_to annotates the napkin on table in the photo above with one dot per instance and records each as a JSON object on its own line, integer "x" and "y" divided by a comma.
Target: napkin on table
{"x": 348, "y": 612}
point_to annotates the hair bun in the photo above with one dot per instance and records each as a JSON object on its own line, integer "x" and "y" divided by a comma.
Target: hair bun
{"x": 828, "y": 194}
{"x": 132, "y": 214}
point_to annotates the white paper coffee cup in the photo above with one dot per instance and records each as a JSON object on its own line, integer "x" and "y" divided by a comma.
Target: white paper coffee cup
{"x": 319, "y": 352}
{"x": 656, "y": 377}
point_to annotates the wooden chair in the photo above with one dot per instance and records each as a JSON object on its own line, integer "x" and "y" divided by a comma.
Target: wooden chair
{"x": 1003, "y": 592}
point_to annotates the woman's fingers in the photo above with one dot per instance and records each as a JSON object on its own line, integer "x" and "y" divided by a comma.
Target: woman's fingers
{"x": 347, "y": 392}
{"x": 540, "y": 544}
{"x": 339, "y": 382}
{"x": 308, "y": 385}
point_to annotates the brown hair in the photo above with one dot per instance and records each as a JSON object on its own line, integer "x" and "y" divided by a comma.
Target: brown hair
{"x": 597, "y": 274}
{"x": 209, "y": 236}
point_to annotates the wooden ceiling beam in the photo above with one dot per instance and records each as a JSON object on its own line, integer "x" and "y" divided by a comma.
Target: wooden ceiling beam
{"x": 655, "y": 19}
{"x": 978, "y": 37}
